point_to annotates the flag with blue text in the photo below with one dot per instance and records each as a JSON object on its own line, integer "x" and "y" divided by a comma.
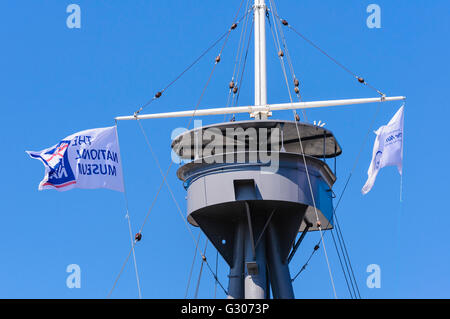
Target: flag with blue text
{"x": 87, "y": 159}
{"x": 387, "y": 149}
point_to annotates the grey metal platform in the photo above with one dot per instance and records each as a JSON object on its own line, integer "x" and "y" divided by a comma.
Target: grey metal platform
{"x": 251, "y": 215}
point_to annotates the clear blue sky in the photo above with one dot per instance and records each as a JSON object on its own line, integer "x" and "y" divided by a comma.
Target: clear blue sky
{"x": 56, "y": 81}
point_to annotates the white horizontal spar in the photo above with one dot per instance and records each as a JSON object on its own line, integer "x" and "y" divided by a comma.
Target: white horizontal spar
{"x": 261, "y": 108}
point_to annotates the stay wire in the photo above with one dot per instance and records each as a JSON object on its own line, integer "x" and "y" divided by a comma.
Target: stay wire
{"x": 346, "y": 255}
{"x": 217, "y": 266}
{"x": 278, "y": 29}
{"x": 177, "y": 205}
{"x": 309, "y": 179}
{"x": 201, "y": 270}
{"x": 351, "y": 173}
{"x": 244, "y": 65}
{"x": 363, "y": 81}
{"x": 238, "y": 58}
{"x": 343, "y": 269}
{"x": 129, "y": 223}
{"x": 175, "y": 201}
{"x": 188, "y": 125}
{"x": 303, "y": 267}
{"x": 277, "y": 44}
{"x": 161, "y": 185}
{"x": 192, "y": 266}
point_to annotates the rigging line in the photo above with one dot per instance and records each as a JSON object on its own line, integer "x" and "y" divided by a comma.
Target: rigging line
{"x": 309, "y": 180}
{"x": 278, "y": 26}
{"x": 185, "y": 70}
{"x": 190, "y": 120}
{"x": 339, "y": 233}
{"x": 140, "y": 231}
{"x": 238, "y": 56}
{"x": 192, "y": 266}
{"x": 304, "y": 266}
{"x": 134, "y": 243}
{"x": 330, "y": 57}
{"x": 217, "y": 265}
{"x": 288, "y": 56}
{"x": 315, "y": 207}
{"x": 314, "y": 201}
{"x": 335, "y": 216}
{"x": 228, "y": 103}
{"x": 225, "y": 34}
{"x": 120, "y": 272}
{"x": 129, "y": 222}
{"x": 174, "y": 198}
{"x": 215, "y": 277}
{"x": 342, "y": 267}
{"x": 363, "y": 144}
{"x": 278, "y": 46}
{"x": 164, "y": 178}
{"x": 241, "y": 43}
{"x": 238, "y": 61}
{"x": 245, "y": 63}
{"x": 201, "y": 270}
{"x": 134, "y": 253}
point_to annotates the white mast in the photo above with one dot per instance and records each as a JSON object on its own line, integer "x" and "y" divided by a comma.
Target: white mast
{"x": 260, "y": 58}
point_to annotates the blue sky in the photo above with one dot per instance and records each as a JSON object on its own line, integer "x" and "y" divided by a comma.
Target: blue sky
{"x": 55, "y": 81}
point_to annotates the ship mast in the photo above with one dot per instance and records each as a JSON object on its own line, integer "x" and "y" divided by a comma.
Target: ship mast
{"x": 260, "y": 58}
{"x": 251, "y": 215}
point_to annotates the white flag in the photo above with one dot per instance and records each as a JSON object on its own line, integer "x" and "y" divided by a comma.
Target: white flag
{"x": 387, "y": 149}
{"x": 87, "y": 159}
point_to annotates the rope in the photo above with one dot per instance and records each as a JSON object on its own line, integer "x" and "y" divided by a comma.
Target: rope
{"x": 220, "y": 38}
{"x": 238, "y": 60}
{"x": 134, "y": 256}
{"x": 346, "y": 257}
{"x": 217, "y": 265}
{"x": 351, "y": 173}
{"x": 342, "y": 267}
{"x": 120, "y": 272}
{"x": 277, "y": 44}
{"x": 192, "y": 266}
{"x": 174, "y": 199}
{"x": 306, "y": 264}
{"x": 307, "y": 173}
{"x": 170, "y": 165}
{"x": 245, "y": 63}
{"x": 308, "y": 176}
{"x": 201, "y": 270}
